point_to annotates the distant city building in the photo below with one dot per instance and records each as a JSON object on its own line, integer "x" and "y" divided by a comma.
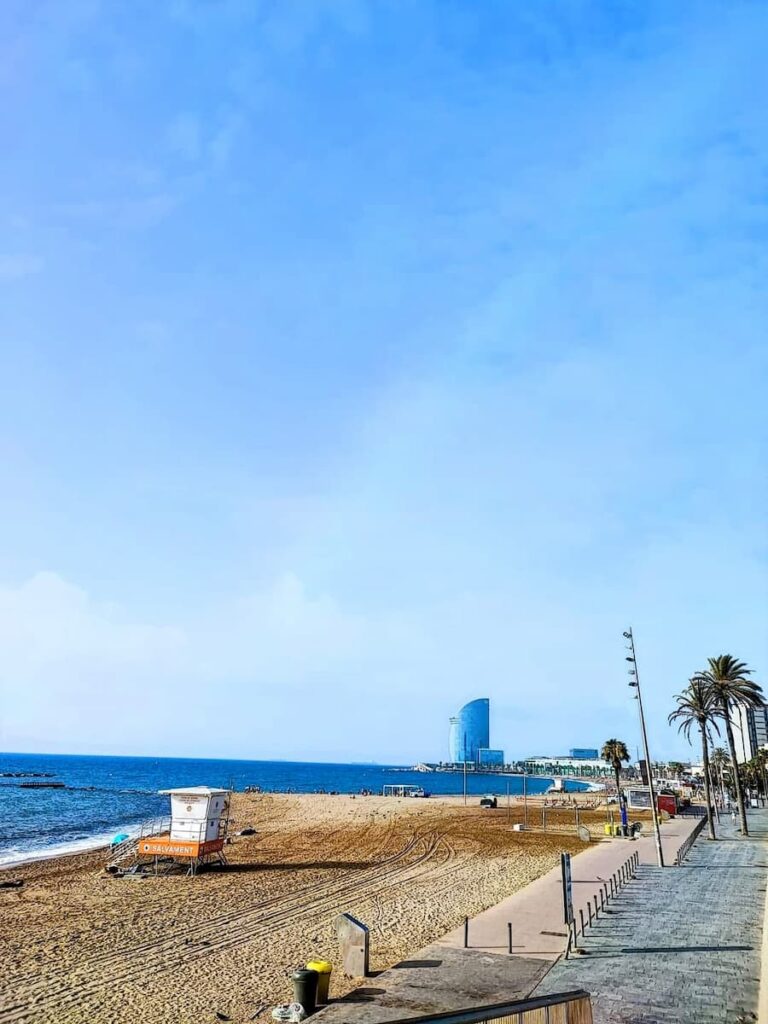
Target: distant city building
{"x": 486, "y": 756}
{"x": 584, "y": 753}
{"x": 469, "y": 731}
{"x": 543, "y": 765}
{"x": 750, "y": 731}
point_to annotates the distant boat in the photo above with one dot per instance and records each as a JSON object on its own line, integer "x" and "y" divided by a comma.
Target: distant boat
{"x": 42, "y": 785}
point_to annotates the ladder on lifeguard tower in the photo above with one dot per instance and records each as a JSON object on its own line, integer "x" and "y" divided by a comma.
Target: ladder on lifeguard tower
{"x": 128, "y": 849}
{"x": 122, "y": 851}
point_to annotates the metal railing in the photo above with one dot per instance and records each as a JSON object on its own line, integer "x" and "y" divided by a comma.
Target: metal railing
{"x": 129, "y": 846}
{"x": 685, "y": 849}
{"x": 570, "y": 1008}
{"x": 609, "y": 889}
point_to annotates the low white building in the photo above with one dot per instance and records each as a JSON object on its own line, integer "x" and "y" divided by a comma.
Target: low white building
{"x": 545, "y": 765}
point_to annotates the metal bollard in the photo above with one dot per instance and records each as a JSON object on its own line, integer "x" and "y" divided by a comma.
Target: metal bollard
{"x": 602, "y": 904}
{"x": 595, "y": 899}
{"x": 589, "y": 910}
{"x": 605, "y": 888}
{"x": 466, "y": 932}
{"x": 509, "y": 935}
{"x": 613, "y": 886}
{"x": 581, "y": 918}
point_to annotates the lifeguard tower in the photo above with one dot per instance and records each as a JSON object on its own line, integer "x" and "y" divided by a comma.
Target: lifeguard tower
{"x": 198, "y": 828}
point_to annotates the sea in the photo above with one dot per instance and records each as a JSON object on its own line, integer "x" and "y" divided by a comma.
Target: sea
{"x": 103, "y": 796}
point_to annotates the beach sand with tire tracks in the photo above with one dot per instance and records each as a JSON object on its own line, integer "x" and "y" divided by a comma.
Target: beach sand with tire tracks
{"x": 80, "y": 945}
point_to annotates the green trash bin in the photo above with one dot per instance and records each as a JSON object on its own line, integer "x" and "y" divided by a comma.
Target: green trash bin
{"x": 305, "y": 989}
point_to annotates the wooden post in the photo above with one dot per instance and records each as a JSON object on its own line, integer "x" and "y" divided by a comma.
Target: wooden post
{"x": 466, "y": 932}
{"x": 581, "y": 918}
{"x": 509, "y": 935}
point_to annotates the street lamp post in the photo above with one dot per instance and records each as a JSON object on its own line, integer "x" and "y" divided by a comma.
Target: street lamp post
{"x": 635, "y": 681}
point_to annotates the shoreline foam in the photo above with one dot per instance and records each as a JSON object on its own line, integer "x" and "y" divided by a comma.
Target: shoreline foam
{"x": 89, "y": 844}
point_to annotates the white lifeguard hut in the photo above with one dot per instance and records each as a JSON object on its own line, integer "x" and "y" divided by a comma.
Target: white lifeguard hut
{"x": 198, "y": 828}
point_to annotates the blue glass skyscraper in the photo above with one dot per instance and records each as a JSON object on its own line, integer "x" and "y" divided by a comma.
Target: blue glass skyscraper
{"x": 470, "y": 730}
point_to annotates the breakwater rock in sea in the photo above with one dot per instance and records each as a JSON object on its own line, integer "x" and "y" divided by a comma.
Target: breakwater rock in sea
{"x": 26, "y": 775}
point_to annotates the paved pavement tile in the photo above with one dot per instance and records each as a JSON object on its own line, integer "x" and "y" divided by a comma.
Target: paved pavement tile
{"x": 681, "y": 945}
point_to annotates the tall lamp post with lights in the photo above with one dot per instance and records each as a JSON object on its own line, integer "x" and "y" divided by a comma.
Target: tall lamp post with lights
{"x": 635, "y": 682}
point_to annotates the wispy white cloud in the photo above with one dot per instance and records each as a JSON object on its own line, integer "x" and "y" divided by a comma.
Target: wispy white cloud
{"x": 124, "y": 212}
{"x": 185, "y": 136}
{"x": 14, "y": 266}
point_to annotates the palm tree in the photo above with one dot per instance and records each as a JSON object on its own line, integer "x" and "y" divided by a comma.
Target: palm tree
{"x": 727, "y": 677}
{"x": 696, "y": 706}
{"x": 748, "y": 773}
{"x": 721, "y": 762}
{"x": 761, "y": 759}
{"x": 614, "y": 752}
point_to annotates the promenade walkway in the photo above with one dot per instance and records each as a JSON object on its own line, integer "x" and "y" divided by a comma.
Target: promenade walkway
{"x": 536, "y": 912}
{"x": 680, "y": 944}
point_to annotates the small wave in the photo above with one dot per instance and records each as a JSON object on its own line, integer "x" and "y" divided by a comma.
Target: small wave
{"x": 22, "y": 855}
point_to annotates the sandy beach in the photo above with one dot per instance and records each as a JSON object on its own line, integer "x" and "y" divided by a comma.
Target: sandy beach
{"x": 80, "y": 945}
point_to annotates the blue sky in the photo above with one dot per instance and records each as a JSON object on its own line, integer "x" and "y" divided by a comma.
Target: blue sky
{"x": 362, "y": 358}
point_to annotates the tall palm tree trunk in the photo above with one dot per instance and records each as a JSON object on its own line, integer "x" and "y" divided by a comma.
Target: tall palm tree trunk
{"x": 736, "y": 780}
{"x": 707, "y": 780}
{"x": 617, "y": 773}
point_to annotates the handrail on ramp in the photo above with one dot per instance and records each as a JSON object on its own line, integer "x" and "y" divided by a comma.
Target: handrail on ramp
{"x": 560, "y": 1008}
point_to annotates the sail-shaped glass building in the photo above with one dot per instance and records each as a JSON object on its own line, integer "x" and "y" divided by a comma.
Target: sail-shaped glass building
{"x": 469, "y": 731}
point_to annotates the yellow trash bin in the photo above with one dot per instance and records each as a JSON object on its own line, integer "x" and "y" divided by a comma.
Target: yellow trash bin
{"x": 608, "y": 829}
{"x": 323, "y": 969}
